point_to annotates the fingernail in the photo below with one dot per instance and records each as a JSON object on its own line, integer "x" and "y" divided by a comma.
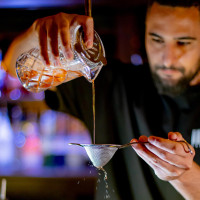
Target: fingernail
{"x": 143, "y": 138}
{"x": 89, "y": 44}
{"x": 57, "y": 62}
{"x": 46, "y": 63}
{"x": 151, "y": 138}
{"x": 134, "y": 140}
{"x": 69, "y": 55}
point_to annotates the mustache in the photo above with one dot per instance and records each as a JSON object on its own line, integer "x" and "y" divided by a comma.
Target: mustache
{"x": 180, "y": 69}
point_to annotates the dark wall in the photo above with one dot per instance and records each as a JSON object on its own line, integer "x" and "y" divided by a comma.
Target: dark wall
{"x": 120, "y": 27}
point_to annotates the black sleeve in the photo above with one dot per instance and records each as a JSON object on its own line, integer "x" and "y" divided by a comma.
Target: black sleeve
{"x": 74, "y": 98}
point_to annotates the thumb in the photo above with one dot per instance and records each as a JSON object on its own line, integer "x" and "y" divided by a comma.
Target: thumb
{"x": 175, "y": 136}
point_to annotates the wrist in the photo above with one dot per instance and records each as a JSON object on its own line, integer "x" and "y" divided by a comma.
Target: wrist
{"x": 189, "y": 177}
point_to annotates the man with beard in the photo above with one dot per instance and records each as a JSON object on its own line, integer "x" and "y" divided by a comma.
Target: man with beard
{"x": 159, "y": 103}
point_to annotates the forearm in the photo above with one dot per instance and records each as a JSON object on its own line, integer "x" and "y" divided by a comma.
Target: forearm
{"x": 189, "y": 183}
{"x": 19, "y": 45}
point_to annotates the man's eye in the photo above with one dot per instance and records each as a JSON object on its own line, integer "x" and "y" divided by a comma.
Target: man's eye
{"x": 183, "y": 43}
{"x": 157, "y": 40}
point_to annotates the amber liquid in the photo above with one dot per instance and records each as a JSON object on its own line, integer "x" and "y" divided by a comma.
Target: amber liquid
{"x": 93, "y": 108}
{"x": 35, "y": 81}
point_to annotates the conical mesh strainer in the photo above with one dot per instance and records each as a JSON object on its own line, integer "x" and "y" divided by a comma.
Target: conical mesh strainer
{"x": 100, "y": 154}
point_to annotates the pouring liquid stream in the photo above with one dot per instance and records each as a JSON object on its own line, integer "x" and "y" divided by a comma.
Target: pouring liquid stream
{"x": 88, "y": 12}
{"x": 93, "y": 108}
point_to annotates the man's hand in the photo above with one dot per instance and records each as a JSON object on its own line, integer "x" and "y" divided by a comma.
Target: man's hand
{"x": 46, "y": 33}
{"x": 49, "y": 29}
{"x": 168, "y": 158}
{"x": 195, "y": 80}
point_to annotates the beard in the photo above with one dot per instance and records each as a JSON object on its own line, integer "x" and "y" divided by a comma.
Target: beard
{"x": 172, "y": 89}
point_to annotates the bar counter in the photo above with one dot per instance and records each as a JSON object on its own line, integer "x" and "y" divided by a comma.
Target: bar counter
{"x": 53, "y": 184}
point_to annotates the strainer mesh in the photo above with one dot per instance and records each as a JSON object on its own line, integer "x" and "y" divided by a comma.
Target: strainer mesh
{"x": 100, "y": 155}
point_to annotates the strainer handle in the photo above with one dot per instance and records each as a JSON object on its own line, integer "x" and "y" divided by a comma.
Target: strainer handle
{"x": 77, "y": 144}
{"x": 187, "y": 151}
{"x": 128, "y": 144}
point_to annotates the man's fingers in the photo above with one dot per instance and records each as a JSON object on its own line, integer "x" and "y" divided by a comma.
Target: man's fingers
{"x": 64, "y": 29}
{"x": 168, "y": 158}
{"x": 50, "y": 28}
{"x": 157, "y": 163}
{"x": 88, "y": 28}
{"x": 43, "y": 43}
{"x": 175, "y": 136}
{"x": 172, "y": 159}
{"x": 173, "y": 147}
{"x": 53, "y": 39}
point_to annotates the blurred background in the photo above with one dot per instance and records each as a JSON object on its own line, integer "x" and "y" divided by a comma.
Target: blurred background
{"x": 35, "y": 157}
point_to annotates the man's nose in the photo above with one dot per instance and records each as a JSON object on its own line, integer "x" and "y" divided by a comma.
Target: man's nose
{"x": 170, "y": 55}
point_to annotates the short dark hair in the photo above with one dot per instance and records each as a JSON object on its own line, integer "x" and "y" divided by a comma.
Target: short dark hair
{"x": 174, "y": 3}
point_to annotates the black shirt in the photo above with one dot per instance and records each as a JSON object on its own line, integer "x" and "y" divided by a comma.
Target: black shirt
{"x": 127, "y": 106}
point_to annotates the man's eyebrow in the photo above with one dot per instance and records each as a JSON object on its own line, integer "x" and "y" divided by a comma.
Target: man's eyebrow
{"x": 176, "y": 38}
{"x": 154, "y": 34}
{"x": 185, "y": 38}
